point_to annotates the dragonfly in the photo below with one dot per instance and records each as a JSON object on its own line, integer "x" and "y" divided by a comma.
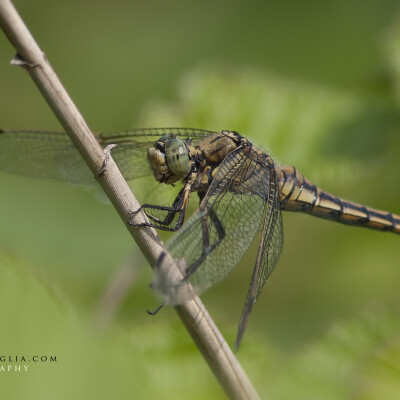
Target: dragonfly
{"x": 241, "y": 192}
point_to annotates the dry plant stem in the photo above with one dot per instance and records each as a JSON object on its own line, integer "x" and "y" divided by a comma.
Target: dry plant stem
{"x": 193, "y": 314}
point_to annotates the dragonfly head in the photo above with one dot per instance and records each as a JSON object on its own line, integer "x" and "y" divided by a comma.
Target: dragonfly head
{"x": 169, "y": 159}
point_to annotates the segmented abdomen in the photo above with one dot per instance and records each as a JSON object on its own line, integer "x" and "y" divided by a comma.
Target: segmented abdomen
{"x": 298, "y": 194}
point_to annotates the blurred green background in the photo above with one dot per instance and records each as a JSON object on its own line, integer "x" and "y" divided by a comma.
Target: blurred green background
{"x": 317, "y": 85}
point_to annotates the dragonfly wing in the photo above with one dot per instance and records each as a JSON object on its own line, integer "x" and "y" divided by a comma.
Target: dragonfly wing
{"x": 217, "y": 236}
{"x": 268, "y": 254}
{"x": 36, "y": 154}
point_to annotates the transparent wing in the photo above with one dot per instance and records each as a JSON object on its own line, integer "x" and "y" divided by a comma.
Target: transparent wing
{"x": 217, "y": 236}
{"x": 51, "y": 155}
{"x": 268, "y": 254}
{"x": 272, "y": 244}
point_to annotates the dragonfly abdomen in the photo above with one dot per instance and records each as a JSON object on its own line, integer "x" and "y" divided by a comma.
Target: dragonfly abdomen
{"x": 298, "y": 194}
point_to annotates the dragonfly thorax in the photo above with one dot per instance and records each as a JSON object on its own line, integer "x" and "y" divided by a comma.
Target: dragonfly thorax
{"x": 169, "y": 159}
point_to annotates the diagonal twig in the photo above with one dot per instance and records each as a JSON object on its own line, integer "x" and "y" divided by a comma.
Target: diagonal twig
{"x": 193, "y": 313}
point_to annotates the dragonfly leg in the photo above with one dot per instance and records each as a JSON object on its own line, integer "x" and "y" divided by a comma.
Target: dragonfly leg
{"x": 178, "y": 207}
{"x": 207, "y": 248}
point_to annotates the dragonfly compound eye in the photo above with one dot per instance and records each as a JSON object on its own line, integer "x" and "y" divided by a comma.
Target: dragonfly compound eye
{"x": 177, "y": 156}
{"x": 157, "y": 163}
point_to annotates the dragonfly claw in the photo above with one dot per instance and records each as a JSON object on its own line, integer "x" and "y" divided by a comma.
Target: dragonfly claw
{"x": 154, "y": 312}
{"x": 133, "y": 213}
